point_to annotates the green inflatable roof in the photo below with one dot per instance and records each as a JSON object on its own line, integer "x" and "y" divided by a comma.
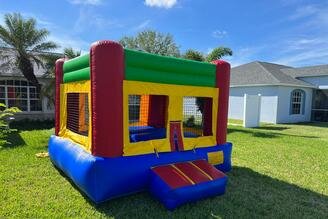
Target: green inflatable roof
{"x": 142, "y": 66}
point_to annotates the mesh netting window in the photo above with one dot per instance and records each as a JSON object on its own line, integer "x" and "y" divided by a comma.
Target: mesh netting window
{"x": 147, "y": 117}
{"x": 197, "y": 117}
{"x": 78, "y": 113}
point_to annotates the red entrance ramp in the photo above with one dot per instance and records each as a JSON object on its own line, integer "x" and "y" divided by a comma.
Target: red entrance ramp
{"x": 179, "y": 183}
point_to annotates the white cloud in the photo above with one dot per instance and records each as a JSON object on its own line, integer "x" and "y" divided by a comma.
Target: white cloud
{"x": 86, "y": 2}
{"x": 219, "y": 33}
{"x": 304, "y": 11}
{"x": 304, "y": 51}
{"x": 66, "y": 41}
{"x": 244, "y": 55}
{"x": 90, "y": 20}
{"x": 161, "y": 3}
{"x": 143, "y": 25}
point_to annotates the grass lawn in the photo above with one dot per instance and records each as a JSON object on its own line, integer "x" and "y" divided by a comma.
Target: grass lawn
{"x": 279, "y": 171}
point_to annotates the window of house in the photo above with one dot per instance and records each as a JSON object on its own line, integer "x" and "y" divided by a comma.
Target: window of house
{"x": 21, "y": 94}
{"x": 320, "y": 105}
{"x": 197, "y": 117}
{"x": 147, "y": 117}
{"x": 78, "y": 113}
{"x": 297, "y": 102}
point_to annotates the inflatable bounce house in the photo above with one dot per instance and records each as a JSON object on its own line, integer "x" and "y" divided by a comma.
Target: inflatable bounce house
{"x": 129, "y": 121}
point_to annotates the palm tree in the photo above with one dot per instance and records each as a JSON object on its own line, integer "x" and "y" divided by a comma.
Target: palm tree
{"x": 28, "y": 42}
{"x": 48, "y": 90}
{"x": 193, "y": 55}
{"x": 70, "y": 53}
{"x": 218, "y": 53}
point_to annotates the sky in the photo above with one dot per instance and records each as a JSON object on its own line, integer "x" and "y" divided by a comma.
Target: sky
{"x": 289, "y": 32}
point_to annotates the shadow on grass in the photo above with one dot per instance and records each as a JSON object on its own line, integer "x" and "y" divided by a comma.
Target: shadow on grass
{"x": 257, "y": 132}
{"x": 272, "y": 128}
{"x": 249, "y": 194}
{"x": 28, "y": 125}
{"x": 14, "y": 140}
{"x": 315, "y": 124}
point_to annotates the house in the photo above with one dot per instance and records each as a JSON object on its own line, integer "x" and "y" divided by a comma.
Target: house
{"x": 288, "y": 95}
{"x": 16, "y": 91}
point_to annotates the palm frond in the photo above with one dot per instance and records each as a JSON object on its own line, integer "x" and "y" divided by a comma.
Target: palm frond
{"x": 5, "y": 36}
{"x": 45, "y": 46}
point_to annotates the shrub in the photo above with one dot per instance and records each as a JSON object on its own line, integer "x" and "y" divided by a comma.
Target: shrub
{"x": 5, "y": 116}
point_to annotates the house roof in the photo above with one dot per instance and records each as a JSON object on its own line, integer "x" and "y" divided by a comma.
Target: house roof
{"x": 264, "y": 73}
{"x": 9, "y": 70}
{"x": 311, "y": 71}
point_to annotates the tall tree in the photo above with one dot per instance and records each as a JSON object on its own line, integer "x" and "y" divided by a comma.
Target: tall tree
{"x": 28, "y": 42}
{"x": 153, "y": 42}
{"x": 215, "y": 54}
{"x": 218, "y": 53}
{"x": 70, "y": 53}
{"x": 194, "y": 55}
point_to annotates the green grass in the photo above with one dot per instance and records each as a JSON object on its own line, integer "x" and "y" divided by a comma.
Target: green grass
{"x": 279, "y": 171}
{"x": 235, "y": 121}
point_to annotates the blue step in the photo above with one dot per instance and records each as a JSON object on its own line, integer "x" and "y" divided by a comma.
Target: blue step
{"x": 180, "y": 183}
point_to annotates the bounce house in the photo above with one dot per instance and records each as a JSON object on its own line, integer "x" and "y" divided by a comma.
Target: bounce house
{"x": 130, "y": 121}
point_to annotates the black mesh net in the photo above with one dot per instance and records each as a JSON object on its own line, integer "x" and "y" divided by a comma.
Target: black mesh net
{"x": 196, "y": 112}
{"x": 78, "y": 113}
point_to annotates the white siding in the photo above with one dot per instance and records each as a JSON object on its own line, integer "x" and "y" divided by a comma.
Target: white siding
{"x": 269, "y": 102}
{"x": 320, "y": 81}
{"x": 284, "y": 115}
{"x": 275, "y": 103}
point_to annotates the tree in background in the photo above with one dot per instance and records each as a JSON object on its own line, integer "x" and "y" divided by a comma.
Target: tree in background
{"x": 153, "y": 42}
{"x": 28, "y": 42}
{"x": 215, "y": 54}
{"x": 48, "y": 90}
{"x": 193, "y": 55}
{"x": 70, "y": 53}
{"x": 218, "y": 53}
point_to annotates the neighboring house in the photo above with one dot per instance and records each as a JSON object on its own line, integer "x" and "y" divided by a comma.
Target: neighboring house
{"x": 289, "y": 95}
{"x": 16, "y": 91}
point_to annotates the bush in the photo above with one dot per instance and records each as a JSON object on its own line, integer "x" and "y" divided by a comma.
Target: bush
{"x": 190, "y": 122}
{"x": 5, "y": 116}
{"x": 28, "y": 124}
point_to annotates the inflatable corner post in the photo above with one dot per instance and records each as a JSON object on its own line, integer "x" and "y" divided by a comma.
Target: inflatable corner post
{"x": 128, "y": 121}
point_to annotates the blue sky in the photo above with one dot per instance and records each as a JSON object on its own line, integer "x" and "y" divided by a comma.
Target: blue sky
{"x": 291, "y": 32}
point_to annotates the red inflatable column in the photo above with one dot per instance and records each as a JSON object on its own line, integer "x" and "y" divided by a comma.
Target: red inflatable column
{"x": 59, "y": 80}
{"x": 222, "y": 82}
{"x": 107, "y": 73}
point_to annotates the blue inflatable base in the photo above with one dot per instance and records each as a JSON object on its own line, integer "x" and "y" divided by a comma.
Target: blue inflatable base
{"x": 106, "y": 178}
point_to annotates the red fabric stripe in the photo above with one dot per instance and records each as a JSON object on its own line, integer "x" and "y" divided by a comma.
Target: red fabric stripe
{"x": 175, "y": 129}
{"x": 157, "y": 111}
{"x": 59, "y": 80}
{"x": 222, "y": 82}
{"x": 107, "y": 74}
{"x": 209, "y": 169}
{"x": 171, "y": 176}
{"x": 192, "y": 172}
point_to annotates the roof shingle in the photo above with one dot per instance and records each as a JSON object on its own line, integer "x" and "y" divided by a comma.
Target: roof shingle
{"x": 264, "y": 73}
